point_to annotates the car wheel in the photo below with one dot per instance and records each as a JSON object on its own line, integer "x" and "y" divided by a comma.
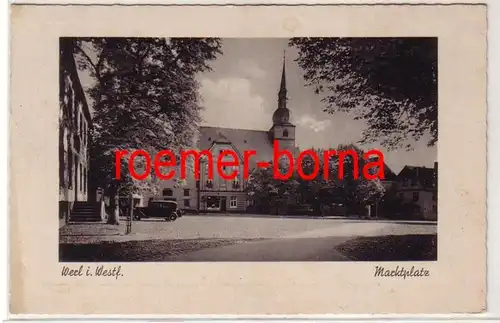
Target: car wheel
{"x": 173, "y": 217}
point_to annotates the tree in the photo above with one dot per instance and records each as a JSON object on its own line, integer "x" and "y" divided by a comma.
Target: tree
{"x": 67, "y": 68}
{"x": 370, "y": 191}
{"x": 311, "y": 186}
{"x": 350, "y": 183}
{"x": 263, "y": 185}
{"x": 264, "y": 188}
{"x": 391, "y": 203}
{"x": 145, "y": 98}
{"x": 391, "y": 83}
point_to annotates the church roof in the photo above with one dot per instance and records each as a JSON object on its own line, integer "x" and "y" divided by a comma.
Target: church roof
{"x": 241, "y": 139}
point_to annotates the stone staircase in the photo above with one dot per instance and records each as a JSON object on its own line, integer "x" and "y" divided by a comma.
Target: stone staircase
{"x": 85, "y": 212}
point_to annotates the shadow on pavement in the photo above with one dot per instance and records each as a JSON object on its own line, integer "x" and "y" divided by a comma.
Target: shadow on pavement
{"x": 140, "y": 250}
{"x": 391, "y": 248}
{"x": 308, "y": 217}
{"x": 382, "y": 248}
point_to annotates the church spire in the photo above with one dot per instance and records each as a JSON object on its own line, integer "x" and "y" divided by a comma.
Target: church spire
{"x": 281, "y": 115}
{"x": 282, "y": 93}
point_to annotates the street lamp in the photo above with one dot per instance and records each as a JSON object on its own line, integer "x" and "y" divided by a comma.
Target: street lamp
{"x": 130, "y": 215}
{"x": 198, "y": 195}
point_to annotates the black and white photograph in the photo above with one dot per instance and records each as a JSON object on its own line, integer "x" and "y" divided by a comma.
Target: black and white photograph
{"x": 354, "y": 120}
{"x": 283, "y": 158}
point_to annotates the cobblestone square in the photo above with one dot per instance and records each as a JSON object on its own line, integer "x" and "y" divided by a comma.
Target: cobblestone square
{"x": 231, "y": 237}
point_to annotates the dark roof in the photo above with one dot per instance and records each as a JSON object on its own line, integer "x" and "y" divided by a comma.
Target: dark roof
{"x": 389, "y": 175}
{"x": 425, "y": 176}
{"x": 241, "y": 139}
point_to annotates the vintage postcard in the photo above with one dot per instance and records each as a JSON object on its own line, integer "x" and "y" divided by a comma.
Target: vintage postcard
{"x": 248, "y": 159}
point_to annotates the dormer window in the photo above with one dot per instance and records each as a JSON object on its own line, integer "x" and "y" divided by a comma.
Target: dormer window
{"x": 236, "y": 184}
{"x": 210, "y": 183}
{"x": 235, "y": 170}
{"x": 285, "y": 133}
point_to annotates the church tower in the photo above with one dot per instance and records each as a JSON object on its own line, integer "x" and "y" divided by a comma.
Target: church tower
{"x": 283, "y": 130}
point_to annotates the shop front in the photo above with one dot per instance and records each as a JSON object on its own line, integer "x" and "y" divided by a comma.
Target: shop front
{"x": 223, "y": 202}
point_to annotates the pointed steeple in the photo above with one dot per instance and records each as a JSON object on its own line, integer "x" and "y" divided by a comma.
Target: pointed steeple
{"x": 282, "y": 93}
{"x": 283, "y": 130}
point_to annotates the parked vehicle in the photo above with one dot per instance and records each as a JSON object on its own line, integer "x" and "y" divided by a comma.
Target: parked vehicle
{"x": 189, "y": 211}
{"x": 301, "y": 209}
{"x": 165, "y": 209}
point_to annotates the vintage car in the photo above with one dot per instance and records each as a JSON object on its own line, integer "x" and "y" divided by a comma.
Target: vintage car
{"x": 166, "y": 209}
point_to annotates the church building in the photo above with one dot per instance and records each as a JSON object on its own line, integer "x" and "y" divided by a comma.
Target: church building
{"x": 218, "y": 194}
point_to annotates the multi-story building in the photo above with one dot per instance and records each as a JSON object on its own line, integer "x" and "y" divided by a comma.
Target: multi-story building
{"x": 216, "y": 193}
{"x": 74, "y": 134}
{"x": 418, "y": 187}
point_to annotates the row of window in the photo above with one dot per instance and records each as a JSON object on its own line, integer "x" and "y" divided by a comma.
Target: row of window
{"x": 416, "y": 196}
{"x": 170, "y": 192}
{"x": 226, "y": 170}
{"x": 210, "y": 184}
{"x": 412, "y": 182}
{"x": 233, "y": 202}
{"x": 409, "y": 182}
{"x": 235, "y": 182}
{"x": 214, "y": 202}
{"x": 76, "y": 115}
{"x": 80, "y": 170}
{"x": 83, "y": 130}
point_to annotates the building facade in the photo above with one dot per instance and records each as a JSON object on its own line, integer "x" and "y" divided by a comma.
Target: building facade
{"x": 418, "y": 186}
{"x": 217, "y": 194}
{"x": 74, "y": 134}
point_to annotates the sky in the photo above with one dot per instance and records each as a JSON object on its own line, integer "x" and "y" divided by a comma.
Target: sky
{"x": 242, "y": 92}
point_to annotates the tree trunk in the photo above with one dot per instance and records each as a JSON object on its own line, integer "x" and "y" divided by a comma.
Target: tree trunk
{"x": 346, "y": 207}
{"x": 114, "y": 216}
{"x": 130, "y": 215}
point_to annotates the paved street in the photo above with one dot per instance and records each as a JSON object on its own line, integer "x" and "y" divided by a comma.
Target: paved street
{"x": 246, "y": 238}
